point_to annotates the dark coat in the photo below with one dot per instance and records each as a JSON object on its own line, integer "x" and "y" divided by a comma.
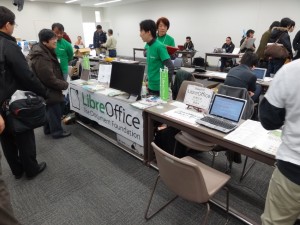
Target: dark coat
{"x": 282, "y": 34}
{"x": 17, "y": 75}
{"x": 296, "y": 45}
{"x": 99, "y": 38}
{"x": 44, "y": 63}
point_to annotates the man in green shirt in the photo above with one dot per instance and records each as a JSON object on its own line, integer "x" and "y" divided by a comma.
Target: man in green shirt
{"x": 64, "y": 49}
{"x": 157, "y": 56}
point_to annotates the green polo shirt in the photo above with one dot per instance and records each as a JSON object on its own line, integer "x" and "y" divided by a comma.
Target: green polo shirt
{"x": 166, "y": 40}
{"x": 64, "y": 52}
{"x": 156, "y": 54}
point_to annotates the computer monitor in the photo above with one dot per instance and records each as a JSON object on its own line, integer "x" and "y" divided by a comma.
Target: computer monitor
{"x": 127, "y": 77}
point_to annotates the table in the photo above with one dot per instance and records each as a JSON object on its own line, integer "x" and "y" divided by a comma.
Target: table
{"x": 226, "y": 55}
{"x": 137, "y": 49}
{"x": 221, "y": 76}
{"x": 155, "y": 114}
{"x": 187, "y": 54}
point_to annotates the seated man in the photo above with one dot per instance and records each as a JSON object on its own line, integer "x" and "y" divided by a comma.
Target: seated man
{"x": 229, "y": 47}
{"x": 242, "y": 76}
{"x": 188, "y": 45}
{"x": 243, "y": 43}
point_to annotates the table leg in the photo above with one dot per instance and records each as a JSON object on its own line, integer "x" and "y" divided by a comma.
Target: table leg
{"x": 205, "y": 61}
{"x": 133, "y": 54}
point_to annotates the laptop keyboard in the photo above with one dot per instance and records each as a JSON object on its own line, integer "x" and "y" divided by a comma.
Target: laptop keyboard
{"x": 218, "y": 122}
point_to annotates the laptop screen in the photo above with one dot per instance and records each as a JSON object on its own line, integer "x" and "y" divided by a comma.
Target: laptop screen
{"x": 260, "y": 73}
{"x": 227, "y": 107}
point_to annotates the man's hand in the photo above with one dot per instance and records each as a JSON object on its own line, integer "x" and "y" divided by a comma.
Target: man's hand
{"x": 250, "y": 93}
{"x": 2, "y": 124}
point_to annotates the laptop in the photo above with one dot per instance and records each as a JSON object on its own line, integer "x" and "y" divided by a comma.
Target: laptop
{"x": 260, "y": 73}
{"x": 177, "y": 63}
{"x": 236, "y": 51}
{"x": 224, "y": 114}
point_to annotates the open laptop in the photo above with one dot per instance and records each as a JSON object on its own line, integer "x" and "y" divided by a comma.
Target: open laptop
{"x": 224, "y": 114}
{"x": 177, "y": 63}
{"x": 260, "y": 73}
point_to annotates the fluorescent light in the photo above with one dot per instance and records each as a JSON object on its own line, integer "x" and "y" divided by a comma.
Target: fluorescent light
{"x": 102, "y": 3}
{"x": 71, "y": 1}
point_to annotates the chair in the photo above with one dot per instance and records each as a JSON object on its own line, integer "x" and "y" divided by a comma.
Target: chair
{"x": 181, "y": 75}
{"x": 188, "y": 179}
{"x": 248, "y": 112}
{"x": 188, "y": 140}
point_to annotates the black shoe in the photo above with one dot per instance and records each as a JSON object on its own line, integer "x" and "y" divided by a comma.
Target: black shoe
{"x": 63, "y": 135}
{"x": 42, "y": 166}
{"x": 19, "y": 176}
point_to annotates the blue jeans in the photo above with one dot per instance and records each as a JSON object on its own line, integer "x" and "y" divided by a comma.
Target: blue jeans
{"x": 53, "y": 125}
{"x": 257, "y": 93}
{"x": 112, "y": 53}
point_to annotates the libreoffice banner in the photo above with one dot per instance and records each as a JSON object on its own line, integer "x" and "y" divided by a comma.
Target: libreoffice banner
{"x": 114, "y": 114}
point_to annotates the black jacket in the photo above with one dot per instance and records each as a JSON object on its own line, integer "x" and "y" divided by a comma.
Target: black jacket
{"x": 296, "y": 45}
{"x": 99, "y": 38}
{"x": 284, "y": 39}
{"x": 17, "y": 74}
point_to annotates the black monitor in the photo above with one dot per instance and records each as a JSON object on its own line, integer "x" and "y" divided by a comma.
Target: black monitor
{"x": 127, "y": 77}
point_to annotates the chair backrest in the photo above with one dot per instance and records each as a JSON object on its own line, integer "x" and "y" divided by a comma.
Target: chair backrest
{"x": 239, "y": 93}
{"x": 181, "y": 75}
{"x": 185, "y": 179}
{"x": 183, "y": 87}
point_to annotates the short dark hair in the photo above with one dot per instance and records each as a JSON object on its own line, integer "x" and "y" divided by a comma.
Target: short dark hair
{"x": 249, "y": 59}
{"x": 274, "y": 24}
{"x": 110, "y": 31}
{"x": 285, "y": 22}
{"x": 46, "y": 35}
{"x": 59, "y": 26}
{"x": 229, "y": 38}
{"x": 98, "y": 27}
{"x": 188, "y": 37}
{"x": 148, "y": 25}
{"x": 250, "y": 31}
{"x": 6, "y": 16}
{"x": 163, "y": 20}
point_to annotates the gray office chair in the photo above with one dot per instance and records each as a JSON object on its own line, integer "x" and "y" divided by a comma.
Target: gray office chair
{"x": 248, "y": 112}
{"x": 186, "y": 139}
{"x": 188, "y": 179}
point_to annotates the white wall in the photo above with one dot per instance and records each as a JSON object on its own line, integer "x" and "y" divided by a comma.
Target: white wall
{"x": 37, "y": 15}
{"x": 208, "y": 22}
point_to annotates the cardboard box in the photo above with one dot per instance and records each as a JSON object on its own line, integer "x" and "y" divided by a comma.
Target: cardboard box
{"x": 82, "y": 51}
{"x": 131, "y": 145}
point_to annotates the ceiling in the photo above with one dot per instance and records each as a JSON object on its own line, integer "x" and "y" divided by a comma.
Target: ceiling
{"x": 90, "y": 3}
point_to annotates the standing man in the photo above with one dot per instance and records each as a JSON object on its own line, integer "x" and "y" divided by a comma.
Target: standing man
{"x": 19, "y": 148}
{"x": 111, "y": 44}
{"x": 64, "y": 49}
{"x": 281, "y": 106}
{"x": 46, "y": 66}
{"x": 99, "y": 38}
{"x": 157, "y": 56}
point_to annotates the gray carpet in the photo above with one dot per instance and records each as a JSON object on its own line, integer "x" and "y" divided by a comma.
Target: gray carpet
{"x": 90, "y": 181}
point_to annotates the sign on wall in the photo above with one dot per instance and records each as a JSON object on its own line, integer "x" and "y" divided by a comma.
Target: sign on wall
{"x": 114, "y": 114}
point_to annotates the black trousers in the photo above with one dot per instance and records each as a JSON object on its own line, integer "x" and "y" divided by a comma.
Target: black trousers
{"x": 19, "y": 150}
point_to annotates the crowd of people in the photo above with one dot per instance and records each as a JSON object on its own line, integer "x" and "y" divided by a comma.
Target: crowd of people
{"x": 46, "y": 69}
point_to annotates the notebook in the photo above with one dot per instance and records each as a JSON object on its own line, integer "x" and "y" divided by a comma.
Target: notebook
{"x": 260, "y": 73}
{"x": 171, "y": 50}
{"x": 177, "y": 63}
{"x": 224, "y": 114}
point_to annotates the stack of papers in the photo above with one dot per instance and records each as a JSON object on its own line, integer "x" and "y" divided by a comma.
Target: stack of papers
{"x": 147, "y": 102}
{"x": 185, "y": 115}
{"x": 252, "y": 135}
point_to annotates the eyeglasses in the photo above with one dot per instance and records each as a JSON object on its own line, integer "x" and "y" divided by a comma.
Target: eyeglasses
{"x": 14, "y": 24}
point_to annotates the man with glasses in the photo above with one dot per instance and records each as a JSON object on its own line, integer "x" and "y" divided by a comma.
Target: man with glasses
{"x": 19, "y": 148}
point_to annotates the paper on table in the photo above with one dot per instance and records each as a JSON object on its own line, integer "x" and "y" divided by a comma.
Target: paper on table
{"x": 247, "y": 134}
{"x": 220, "y": 74}
{"x": 270, "y": 143}
{"x": 185, "y": 115}
{"x": 104, "y": 73}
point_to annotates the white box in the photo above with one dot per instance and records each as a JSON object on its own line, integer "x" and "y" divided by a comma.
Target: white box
{"x": 130, "y": 144}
